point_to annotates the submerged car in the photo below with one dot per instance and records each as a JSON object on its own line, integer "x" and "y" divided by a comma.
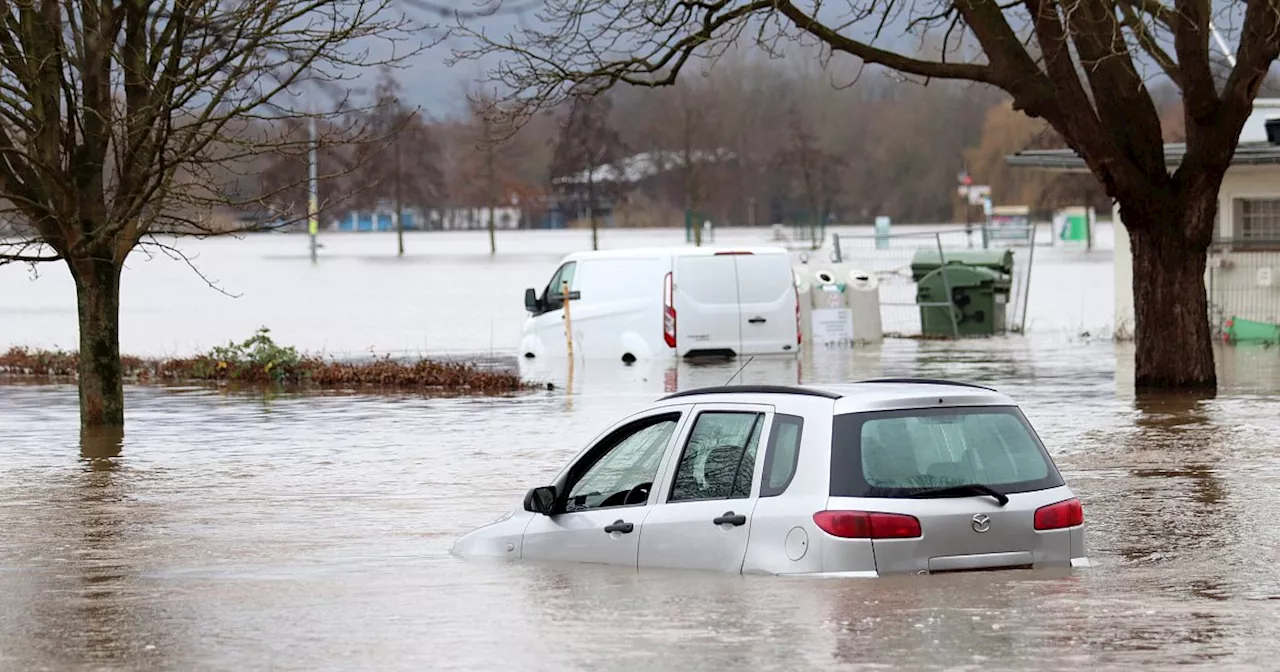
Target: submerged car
{"x": 879, "y": 477}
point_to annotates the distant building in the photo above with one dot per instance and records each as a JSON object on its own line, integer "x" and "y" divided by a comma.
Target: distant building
{"x": 1246, "y": 248}
{"x": 420, "y": 219}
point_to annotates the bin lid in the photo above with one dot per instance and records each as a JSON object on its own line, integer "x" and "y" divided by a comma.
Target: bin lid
{"x": 960, "y": 275}
{"x": 927, "y": 259}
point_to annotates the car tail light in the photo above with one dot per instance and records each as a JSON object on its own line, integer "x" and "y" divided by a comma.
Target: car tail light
{"x": 668, "y": 312}
{"x": 1067, "y": 513}
{"x": 867, "y": 525}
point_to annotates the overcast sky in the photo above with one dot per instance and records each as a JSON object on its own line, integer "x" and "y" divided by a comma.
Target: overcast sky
{"x": 440, "y": 89}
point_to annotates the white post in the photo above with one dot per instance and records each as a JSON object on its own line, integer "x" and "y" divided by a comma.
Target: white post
{"x": 313, "y": 197}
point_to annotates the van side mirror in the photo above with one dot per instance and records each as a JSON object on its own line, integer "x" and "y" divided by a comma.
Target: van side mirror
{"x": 541, "y": 500}
{"x": 531, "y": 300}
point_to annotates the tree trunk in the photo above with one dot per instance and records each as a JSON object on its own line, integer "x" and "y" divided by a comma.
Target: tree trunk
{"x": 98, "y": 304}
{"x": 1171, "y": 307}
{"x": 591, "y": 209}
{"x": 493, "y": 240}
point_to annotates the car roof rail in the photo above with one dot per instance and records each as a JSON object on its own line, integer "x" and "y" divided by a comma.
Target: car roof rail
{"x": 928, "y": 381}
{"x": 754, "y": 389}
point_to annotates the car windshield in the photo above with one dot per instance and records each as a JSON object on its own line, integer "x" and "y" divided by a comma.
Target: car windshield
{"x": 918, "y": 452}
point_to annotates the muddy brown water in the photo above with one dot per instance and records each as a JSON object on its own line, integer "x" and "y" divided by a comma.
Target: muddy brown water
{"x": 237, "y": 532}
{"x": 312, "y": 532}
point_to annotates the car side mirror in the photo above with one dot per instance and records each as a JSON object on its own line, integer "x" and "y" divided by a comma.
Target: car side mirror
{"x": 531, "y": 300}
{"x": 541, "y": 500}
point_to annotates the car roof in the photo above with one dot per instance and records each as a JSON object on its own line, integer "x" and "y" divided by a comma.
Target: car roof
{"x": 674, "y": 251}
{"x": 877, "y": 394}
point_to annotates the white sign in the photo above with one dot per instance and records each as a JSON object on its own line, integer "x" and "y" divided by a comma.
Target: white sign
{"x": 832, "y": 296}
{"x": 1264, "y": 276}
{"x": 832, "y": 325}
{"x": 977, "y": 192}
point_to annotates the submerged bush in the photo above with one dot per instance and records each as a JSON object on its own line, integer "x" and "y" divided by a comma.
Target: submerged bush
{"x": 258, "y": 360}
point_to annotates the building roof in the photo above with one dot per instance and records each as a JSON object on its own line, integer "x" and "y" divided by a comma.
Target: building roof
{"x": 644, "y": 165}
{"x": 1066, "y": 160}
{"x": 1252, "y": 150}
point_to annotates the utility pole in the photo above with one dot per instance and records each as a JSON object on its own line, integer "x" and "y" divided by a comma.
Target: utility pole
{"x": 490, "y": 180}
{"x": 399, "y": 196}
{"x": 591, "y": 205}
{"x": 313, "y": 196}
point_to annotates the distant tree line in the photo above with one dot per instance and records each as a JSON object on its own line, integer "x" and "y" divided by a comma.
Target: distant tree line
{"x": 754, "y": 142}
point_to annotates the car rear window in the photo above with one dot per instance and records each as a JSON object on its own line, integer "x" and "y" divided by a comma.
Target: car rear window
{"x": 899, "y": 453}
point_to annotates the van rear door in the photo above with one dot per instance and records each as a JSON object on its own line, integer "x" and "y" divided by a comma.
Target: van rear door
{"x": 767, "y": 299}
{"x": 706, "y": 305}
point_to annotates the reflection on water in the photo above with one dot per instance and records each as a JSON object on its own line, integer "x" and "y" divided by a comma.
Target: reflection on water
{"x": 227, "y": 532}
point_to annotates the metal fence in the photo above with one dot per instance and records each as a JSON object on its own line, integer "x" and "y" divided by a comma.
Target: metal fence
{"x": 889, "y": 257}
{"x": 1241, "y": 285}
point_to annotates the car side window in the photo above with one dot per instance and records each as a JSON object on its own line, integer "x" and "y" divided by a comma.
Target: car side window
{"x": 553, "y": 295}
{"x": 781, "y": 455}
{"x": 624, "y": 474}
{"x": 719, "y": 458}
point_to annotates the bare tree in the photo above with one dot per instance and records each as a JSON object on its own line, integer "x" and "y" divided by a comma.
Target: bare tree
{"x": 115, "y": 115}
{"x": 1075, "y": 65}
{"x": 484, "y": 115}
{"x": 587, "y": 143}
{"x": 400, "y": 164}
{"x": 811, "y": 172}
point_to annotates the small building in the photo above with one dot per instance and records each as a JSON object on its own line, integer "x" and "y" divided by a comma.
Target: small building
{"x": 1246, "y": 245}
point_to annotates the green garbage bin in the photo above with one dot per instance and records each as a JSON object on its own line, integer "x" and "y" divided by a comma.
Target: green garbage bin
{"x": 979, "y": 293}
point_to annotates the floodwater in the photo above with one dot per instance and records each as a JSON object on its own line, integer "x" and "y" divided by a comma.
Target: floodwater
{"x": 447, "y": 295}
{"x": 312, "y": 532}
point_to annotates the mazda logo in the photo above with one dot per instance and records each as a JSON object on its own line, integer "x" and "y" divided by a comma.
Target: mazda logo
{"x": 981, "y": 523}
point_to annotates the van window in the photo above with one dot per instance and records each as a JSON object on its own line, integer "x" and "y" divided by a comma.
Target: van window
{"x": 899, "y": 453}
{"x": 707, "y": 280}
{"x": 552, "y": 293}
{"x": 764, "y": 278}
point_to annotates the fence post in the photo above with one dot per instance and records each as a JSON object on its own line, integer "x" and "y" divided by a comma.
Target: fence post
{"x": 568, "y": 321}
{"x": 946, "y": 283}
{"x": 1026, "y": 291}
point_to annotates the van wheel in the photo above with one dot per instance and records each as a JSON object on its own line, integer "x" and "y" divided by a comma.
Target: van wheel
{"x": 628, "y": 358}
{"x": 528, "y": 355}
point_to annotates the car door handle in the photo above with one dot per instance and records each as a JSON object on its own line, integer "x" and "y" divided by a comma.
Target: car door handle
{"x": 756, "y": 320}
{"x": 730, "y": 519}
{"x": 619, "y": 526}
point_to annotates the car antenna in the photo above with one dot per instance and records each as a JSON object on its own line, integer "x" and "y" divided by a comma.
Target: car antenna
{"x": 740, "y": 368}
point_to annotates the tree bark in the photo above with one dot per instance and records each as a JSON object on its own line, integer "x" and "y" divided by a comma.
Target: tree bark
{"x": 1170, "y": 303}
{"x": 98, "y": 305}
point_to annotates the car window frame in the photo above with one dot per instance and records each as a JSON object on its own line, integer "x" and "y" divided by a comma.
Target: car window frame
{"x": 676, "y": 451}
{"x": 607, "y": 441}
{"x": 846, "y": 478}
{"x": 770, "y": 454}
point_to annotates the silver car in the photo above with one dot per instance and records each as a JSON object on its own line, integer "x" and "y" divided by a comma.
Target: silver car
{"x": 879, "y": 477}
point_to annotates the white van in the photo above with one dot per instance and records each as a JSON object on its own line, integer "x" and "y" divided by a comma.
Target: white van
{"x": 690, "y": 302}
